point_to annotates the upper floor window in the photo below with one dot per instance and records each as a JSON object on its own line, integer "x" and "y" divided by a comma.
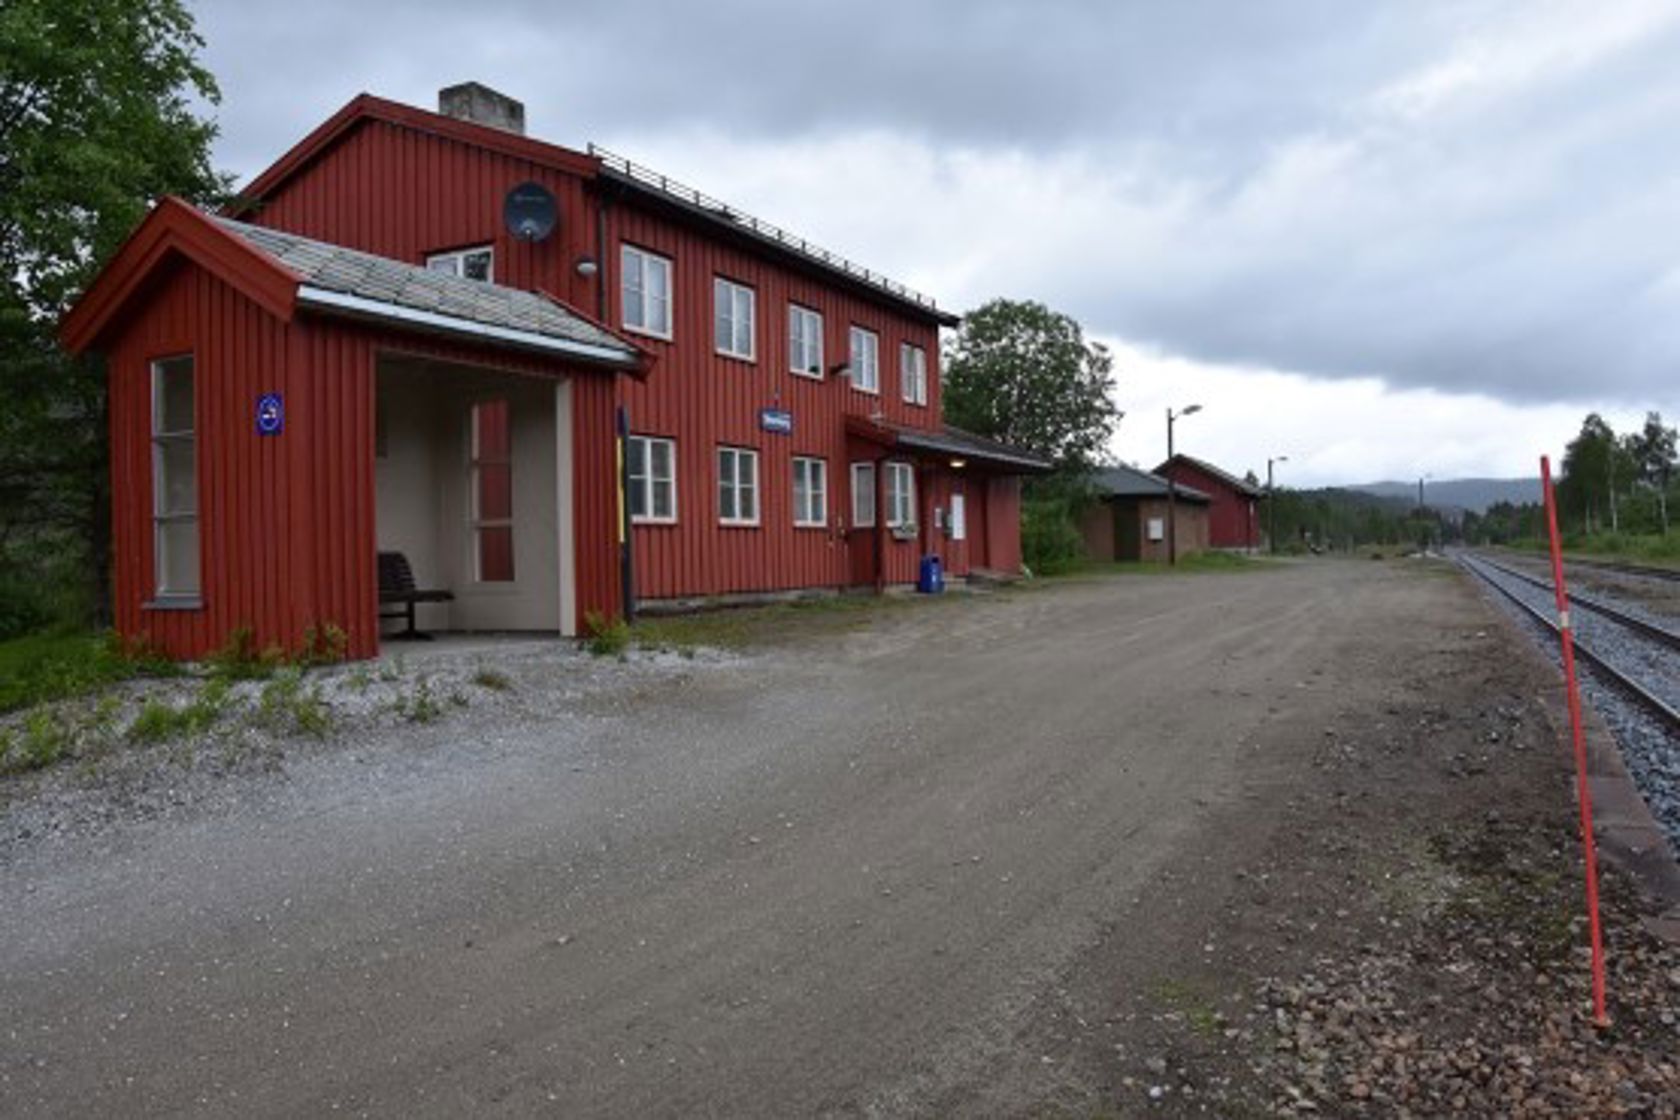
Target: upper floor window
{"x": 653, "y": 479}
{"x": 810, "y": 492}
{"x": 477, "y": 263}
{"x": 805, "y": 341}
{"x": 647, "y": 292}
{"x": 737, "y": 486}
{"x": 865, "y": 360}
{"x": 492, "y": 491}
{"x": 912, "y": 373}
{"x": 733, "y": 314}
{"x": 174, "y": 478}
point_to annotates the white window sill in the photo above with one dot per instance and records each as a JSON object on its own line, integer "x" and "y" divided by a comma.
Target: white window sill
{"x": 174, "y": 603}
{"x": 646, "y": 333}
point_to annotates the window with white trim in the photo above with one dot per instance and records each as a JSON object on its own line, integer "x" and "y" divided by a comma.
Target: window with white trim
{"x": 865, "y": 360}
{"x": 477, "y": 263}
{"x": 863, "y": 495}
{"x": 653, "y": 479}
{"x": 733, "y": 307}
{"x": 912, "y": 373}
{"x": 491, "y": 468}
{"x": 805, "y": 341}
{"x": 737, "y": 486}
{"x": 810, "y": 492}
{"x": 901, "y": 495}
{"x": 174, "y": 478}
{"x": 646, "y": 285}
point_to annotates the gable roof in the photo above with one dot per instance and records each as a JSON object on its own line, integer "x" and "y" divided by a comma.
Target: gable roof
{"x": 594, "y": 166}
{"x": 1131, "y": 482}
{"x": 282, "y": 272}
{"x": 1241, "y": 486}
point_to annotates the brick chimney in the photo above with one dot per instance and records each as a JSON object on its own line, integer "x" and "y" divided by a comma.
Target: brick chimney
{"x": 480, "y": 104}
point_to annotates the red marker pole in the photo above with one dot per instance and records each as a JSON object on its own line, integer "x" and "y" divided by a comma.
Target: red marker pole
{"x": 1566, "y": 632}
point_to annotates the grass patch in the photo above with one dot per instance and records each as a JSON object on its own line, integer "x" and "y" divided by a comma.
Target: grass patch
{"x": 57, "y": 666}
{"x": 736, "y": 628}
{"x": 42, "y": 741}
{"x": 607, "y": 637}
{"x": 1194, "y": 563}
{"x": 420, "y": 706}
{"x": 158, "y": 722}
{"x": 1626, "y": 548}
{"x": 286, "y": 705}
{"x": 492, "y": 679}
{"x": 1190, "y": 1001}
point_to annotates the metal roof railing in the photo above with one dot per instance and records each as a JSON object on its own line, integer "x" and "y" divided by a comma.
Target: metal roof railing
{"x": 687, "y": 195}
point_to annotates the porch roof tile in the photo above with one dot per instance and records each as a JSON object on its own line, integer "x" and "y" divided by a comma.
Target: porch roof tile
{"x": 365, "y": 276}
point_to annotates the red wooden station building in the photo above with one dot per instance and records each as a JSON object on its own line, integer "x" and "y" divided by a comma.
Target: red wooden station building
{"x": 554, "y": 382}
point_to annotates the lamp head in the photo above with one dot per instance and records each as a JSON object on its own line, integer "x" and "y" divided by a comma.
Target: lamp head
{"x": 1191, "y": 410}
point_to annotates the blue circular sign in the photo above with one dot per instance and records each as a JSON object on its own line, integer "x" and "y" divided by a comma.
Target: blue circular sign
{"x": 271, "y": 415}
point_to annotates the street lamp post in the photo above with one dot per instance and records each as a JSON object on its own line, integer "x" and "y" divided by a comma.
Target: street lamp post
{"x": 1172, "y": 487}
{"x": 1271, "y": 502}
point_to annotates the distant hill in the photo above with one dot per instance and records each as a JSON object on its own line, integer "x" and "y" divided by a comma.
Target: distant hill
{"x": 1475, "y": 494}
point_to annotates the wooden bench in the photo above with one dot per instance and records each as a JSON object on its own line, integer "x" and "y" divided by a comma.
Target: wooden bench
{"x": 396, "y": 585}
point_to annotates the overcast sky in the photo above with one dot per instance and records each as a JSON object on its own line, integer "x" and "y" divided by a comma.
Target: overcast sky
{"x": 1384, "y": 240}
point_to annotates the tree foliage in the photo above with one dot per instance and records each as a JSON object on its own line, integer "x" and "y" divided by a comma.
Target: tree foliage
{"x": 1022, "y": 373}
{"x": 97, "y": 119}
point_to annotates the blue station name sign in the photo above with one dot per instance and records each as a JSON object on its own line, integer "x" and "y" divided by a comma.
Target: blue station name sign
{"x": 777, "y": 420}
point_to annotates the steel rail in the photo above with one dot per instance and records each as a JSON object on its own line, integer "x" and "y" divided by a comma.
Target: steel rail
{"x": 1646, "y": 570}
{"x": 1656, "y": 704}
{"x": 1592, "y": 603}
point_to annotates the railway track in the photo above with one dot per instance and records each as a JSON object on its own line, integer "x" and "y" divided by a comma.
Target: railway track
{"x": 1646, "y": 571}
{"x": 1659, "y": 634}
{"x": 1627, "y": 670}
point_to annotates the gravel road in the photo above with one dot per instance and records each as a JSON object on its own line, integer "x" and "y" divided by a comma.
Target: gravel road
{"x": 835, "y": 877}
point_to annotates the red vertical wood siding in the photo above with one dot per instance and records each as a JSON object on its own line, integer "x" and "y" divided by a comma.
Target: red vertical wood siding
{"x": 285, "y": 522}
{"x": 1232, "y": 518}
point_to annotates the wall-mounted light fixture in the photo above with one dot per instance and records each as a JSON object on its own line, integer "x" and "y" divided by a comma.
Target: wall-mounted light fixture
{"x": 958, "y": 464}
{"x": 586, "y": 266}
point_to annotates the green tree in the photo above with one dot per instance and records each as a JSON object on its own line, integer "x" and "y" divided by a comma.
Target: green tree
{"x": 1586, "y": 493}
{"x": 1653, "y": 451}
{"x": 1022, "y": 373}
{"x": 97, "y": 119}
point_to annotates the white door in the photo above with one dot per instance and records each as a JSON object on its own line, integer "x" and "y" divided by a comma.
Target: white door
{"x": 959, "y": 518}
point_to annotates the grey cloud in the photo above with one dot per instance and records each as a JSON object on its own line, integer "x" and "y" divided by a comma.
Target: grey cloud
{"x": 1517, "y": 235}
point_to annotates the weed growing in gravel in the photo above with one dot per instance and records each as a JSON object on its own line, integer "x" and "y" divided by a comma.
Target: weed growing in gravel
{"x": 43, "y": 741}
{"x": 458, "y": 698}
{"x": 240, "y": 660}
{"x": 393, "y": 670}
{"x": 157, "y": 722}
{"x": 493, "y": 679}
{"x": 55, "y": 666}
{"x": 327, "y": 645}
{"x": 420, "y": 706}
{"x": 360, "y": 678}
{"x": 608, "y": 637}
{"x": 286, "y": 705}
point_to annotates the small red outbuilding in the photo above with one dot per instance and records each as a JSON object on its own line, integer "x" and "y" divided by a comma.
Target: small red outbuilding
{"x": 1233, "y": 518}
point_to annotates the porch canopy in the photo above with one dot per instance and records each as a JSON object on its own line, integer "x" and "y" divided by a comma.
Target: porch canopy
{"x": 949, "y": 445}
{"x": 284, "y": 273}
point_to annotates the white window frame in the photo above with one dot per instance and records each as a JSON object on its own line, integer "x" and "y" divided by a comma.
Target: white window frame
{"x": 478, "y": 522}
{"x": 454, "y": 262}
{"x": 805, "y": 334}
{"x": 912, "y": 374}
{"x": 642, "y": 299}
{"x": 900, "y": 495}
{"x": 643, "y": 479}
{"x": 864, "y": 343}
{"x": 863, "y": 489}
{"x": 810, "y": 507}
{"x": 161, "y": 517}
{"x": 736, "y": 306}
{"x": 735, "y": 487}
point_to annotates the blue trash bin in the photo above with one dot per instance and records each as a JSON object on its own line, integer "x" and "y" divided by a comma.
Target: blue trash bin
{"x": 932, "y": 578}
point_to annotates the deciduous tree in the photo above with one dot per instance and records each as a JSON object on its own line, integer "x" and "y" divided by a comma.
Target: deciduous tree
{"x": 101, "y": 106}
